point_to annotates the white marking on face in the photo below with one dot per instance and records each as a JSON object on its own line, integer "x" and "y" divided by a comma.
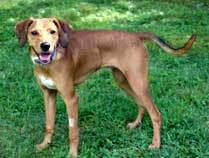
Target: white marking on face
{"x": 49, "y": 83}
{"x": 71, "y": 122}
{"x": 34, "y": 58}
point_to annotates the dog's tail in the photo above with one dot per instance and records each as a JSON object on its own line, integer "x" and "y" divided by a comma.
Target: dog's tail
{"x": 167, "y": 47}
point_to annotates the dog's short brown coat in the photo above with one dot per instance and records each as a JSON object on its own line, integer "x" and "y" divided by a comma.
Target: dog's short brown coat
{"x": 82, "y": 52}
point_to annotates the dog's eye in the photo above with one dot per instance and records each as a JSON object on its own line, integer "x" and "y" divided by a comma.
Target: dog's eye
{"x": 52, "y": 32}
{"x": 34, "y": 33}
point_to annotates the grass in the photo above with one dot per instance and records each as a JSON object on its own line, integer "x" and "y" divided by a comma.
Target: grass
{"x": 179, "y": 86}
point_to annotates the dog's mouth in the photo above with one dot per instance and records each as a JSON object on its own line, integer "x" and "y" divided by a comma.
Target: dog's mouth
{"x": 45, "y": 57}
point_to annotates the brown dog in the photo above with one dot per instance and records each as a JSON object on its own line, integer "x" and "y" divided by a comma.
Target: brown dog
{"x": 64, "y": 57}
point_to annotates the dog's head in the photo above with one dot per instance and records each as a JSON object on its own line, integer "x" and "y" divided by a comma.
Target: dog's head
{"x": 43, "y": 36}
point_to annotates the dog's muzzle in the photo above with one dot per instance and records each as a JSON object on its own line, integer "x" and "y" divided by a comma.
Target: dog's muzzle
{"x": 45, "y": 58}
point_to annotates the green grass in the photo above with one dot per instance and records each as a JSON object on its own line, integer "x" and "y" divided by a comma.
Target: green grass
{"x": 179, "y": 85}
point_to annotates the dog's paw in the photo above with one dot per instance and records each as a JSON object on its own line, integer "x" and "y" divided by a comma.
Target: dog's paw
{"x": 41, "y": 146}
{"x": 72, "y": 155}
{"x": 154, "y": 146}
{"x": 132, "y": 124}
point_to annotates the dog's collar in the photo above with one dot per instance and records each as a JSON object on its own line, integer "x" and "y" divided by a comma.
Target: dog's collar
{"x": 52, "y": 56}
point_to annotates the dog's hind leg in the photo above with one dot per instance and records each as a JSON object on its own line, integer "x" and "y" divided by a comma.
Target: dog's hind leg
{"x": 136, "y": 74}
{"x": 50, "y": 110}
{"x": 141, "y": 91}
{"x": 123, "y": 83}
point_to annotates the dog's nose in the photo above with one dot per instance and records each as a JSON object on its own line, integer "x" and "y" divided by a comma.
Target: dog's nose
{"x": 45, "y": 46}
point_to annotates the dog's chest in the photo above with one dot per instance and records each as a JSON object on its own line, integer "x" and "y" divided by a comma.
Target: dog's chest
{"x": 47, "y": 82}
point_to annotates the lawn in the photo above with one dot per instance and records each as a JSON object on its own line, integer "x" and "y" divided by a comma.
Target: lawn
{"x": 179, "y": 85}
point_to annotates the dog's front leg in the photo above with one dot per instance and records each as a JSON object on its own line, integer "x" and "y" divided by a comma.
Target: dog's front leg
{"x": 71, "y": 101}
{"x": 50, "y": 110}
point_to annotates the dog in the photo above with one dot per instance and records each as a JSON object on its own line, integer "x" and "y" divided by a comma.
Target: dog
{"x": 64, "y": 57}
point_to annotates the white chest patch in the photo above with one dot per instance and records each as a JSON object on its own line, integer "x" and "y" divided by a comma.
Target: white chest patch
{"x": 49, "y": 83}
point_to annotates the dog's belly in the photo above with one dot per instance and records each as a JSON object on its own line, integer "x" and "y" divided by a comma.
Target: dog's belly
{"x": 82, "y": 77}
{"x": 47, "y": 82}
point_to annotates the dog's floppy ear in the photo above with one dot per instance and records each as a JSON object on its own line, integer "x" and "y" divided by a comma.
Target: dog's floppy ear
{"x": 21, "y": 31}
{"x": 64, "y": 32}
